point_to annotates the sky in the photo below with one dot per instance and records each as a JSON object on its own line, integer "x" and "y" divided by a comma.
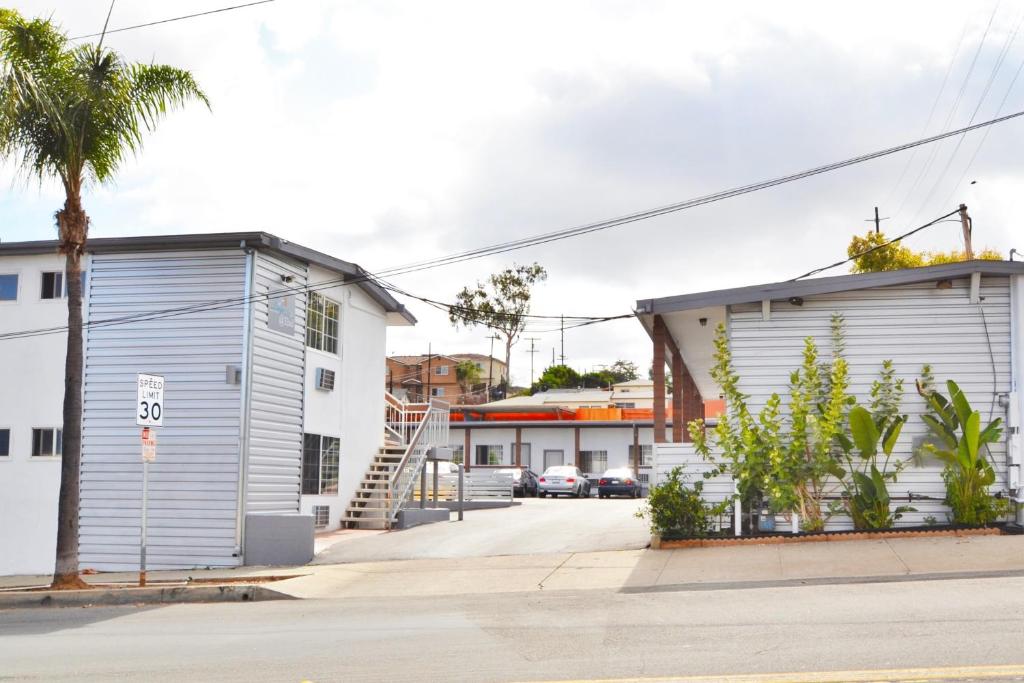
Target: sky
{"x": 386, "y": 133}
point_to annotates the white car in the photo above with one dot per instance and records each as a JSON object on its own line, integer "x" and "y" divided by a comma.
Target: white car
{"x": 567, "y": 480}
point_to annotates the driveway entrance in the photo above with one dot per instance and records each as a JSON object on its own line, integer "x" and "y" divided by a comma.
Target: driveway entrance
{"x": 537, "y": 525}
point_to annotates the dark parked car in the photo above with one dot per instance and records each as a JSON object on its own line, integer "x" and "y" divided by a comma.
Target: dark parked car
{"x": 620, "y": 481}
{"x": 524, "y": 482}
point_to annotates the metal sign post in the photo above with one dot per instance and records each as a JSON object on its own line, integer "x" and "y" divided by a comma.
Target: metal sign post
{"x": 149, "y": 413}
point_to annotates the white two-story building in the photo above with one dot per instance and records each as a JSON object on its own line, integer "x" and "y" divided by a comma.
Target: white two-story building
{"x": 272, "y": 355}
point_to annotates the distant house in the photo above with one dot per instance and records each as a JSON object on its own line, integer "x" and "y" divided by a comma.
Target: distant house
{"x": 964, "y": 319}
{"x": 415, "y": 377}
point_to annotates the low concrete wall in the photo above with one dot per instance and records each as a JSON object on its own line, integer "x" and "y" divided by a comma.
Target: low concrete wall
{"x": 278, "y": 539}
{"x": 410, "y": 517}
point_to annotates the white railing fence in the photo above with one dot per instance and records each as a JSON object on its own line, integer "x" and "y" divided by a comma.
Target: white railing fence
{"x": 431, "y": 431}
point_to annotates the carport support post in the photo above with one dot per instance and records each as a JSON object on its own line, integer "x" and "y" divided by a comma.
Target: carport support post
{"x": 636, "y": 449}
{"x": 677, "y": 396}
{"x": 462, "y": 479}
{"x": 465, "y": 451}
{"x": 519, "y": 446}
{"x": 576, "y": 447}
{"x": 658, "y": 370}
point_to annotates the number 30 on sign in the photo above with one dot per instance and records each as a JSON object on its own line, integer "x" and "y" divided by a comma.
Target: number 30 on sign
{"x": 150, "y": 409}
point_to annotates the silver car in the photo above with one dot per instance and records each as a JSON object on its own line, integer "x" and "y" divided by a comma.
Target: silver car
{"x": 563, "y": 479}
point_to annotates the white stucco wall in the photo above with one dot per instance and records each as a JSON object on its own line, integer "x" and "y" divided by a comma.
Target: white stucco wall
{"x": 31, "y": 395}
{"x": 615, "y": 440}
{"x": 354, "y": 411}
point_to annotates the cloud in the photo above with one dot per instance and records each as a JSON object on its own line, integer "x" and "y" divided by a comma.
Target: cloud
{"x": 390, "y": 132}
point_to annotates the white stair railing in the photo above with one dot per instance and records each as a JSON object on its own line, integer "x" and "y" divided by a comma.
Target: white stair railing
{"x": 431, "y": 431}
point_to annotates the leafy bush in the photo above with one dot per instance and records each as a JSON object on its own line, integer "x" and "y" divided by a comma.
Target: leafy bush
{"x": 678, "y": 511}
{"x": 867, "y": 493}
{"x": 958, "y": 442}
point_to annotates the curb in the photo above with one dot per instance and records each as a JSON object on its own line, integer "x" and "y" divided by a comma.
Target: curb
{"x": 663, "y": 544}
{"x": 138, "y": 596}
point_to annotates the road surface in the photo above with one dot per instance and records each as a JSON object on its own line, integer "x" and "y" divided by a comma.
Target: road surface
{"x": 539, "y": 636}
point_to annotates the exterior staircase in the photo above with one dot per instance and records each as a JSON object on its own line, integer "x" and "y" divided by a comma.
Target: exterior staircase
{"x": 411, "y": 430}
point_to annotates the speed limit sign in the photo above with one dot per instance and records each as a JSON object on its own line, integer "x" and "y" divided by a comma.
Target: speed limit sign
{"x": 150, "y": 409}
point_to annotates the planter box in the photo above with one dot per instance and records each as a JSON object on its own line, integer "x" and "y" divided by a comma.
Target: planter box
{"x": 823, "y": 537}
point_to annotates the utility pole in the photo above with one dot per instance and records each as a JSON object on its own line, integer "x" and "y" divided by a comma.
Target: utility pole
{"x": 877, "y": 221}
{"x": 532, "y": 351}
{"x": 563, "y": 340}
{"x": 965, "y": 223}
{"x": 490, "y": 371}
{"x": 426, "y": 398}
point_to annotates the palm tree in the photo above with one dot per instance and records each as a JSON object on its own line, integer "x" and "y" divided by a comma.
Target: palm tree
{"x": 74, "y": 112}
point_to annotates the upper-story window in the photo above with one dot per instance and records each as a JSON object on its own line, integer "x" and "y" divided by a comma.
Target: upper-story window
{"x": 437, "y": 391}
{"x": 441, "y": 370}
{"x": 9, "y": 287}
{"x": 46, "y": 441}
{"x": 322, "y": 323}
{"x": 5, "y": 442}
{"x": 53, "y": 286}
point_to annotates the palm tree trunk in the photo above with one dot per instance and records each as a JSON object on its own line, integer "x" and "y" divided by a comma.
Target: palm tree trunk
{"x": 73, "y": 226}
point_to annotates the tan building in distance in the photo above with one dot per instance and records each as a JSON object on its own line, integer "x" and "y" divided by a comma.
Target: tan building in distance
{"x": 413, "y": 378}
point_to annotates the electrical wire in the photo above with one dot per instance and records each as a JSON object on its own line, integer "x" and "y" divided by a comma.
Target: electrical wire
{"x": 523, "y": 243}
{"x": 172, "y": 19}
{"x": 875, "y": 248}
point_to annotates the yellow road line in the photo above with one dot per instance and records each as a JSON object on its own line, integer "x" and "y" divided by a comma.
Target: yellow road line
{"x": 862, "y": 676}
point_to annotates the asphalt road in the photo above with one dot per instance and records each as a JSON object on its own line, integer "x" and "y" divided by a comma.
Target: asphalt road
{"x": 536, "y": 526}
{"x": 539, "y": 636}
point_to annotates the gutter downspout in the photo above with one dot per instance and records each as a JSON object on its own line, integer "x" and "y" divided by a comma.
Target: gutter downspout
{"x": 1015, "y": 406}
{"x": 245, "y": 403}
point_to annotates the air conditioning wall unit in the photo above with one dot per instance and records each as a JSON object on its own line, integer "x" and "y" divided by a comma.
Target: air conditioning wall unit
{"x": 325, "y": 379}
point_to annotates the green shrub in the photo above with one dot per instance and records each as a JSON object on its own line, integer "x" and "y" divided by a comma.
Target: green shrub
{"x": 676, "y": 510}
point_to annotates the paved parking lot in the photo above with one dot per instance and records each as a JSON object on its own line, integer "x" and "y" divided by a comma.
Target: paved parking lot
{"x": 537, "y": 525}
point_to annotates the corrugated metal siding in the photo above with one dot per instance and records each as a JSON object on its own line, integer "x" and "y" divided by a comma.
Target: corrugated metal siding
{"x": 274, "y": 460}
{"x": 193, "y": 486}
{"x": 911, "y": 325}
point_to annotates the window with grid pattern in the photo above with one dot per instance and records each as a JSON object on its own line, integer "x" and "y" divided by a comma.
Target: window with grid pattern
{"x": 646, "y": 455}
{"x": 320, "y": 463}
{"x": 321, "y": 323}
{"x": 594, "y": 462}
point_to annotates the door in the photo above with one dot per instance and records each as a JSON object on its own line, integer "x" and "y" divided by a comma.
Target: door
{"x": 553, "y": 458}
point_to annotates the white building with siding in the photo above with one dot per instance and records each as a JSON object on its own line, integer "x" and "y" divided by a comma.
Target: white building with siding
{"x": 265, "y": 346}
{"x": 964, "y": 319}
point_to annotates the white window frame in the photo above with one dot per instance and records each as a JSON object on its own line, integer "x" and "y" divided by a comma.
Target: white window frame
{"x": 322, "y": 481}
{"x": 584, "y": 454}
{"x": 490, "y": 455}
{"x": 62, "y": 294}
{"x": 437, "y": 392}
{"x": 441, "y": 370}
{"x": 317, "y": 328}
{"x": 17, "y": 287}
{"x": 56, "y": 442}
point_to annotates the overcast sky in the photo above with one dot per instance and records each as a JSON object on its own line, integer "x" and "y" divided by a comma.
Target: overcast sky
{"x": 389, "y": 132}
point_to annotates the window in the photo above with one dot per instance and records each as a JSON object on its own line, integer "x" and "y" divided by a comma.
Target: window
{"x": 524, "y": 454}
{"x": 321, "y": 323}
{"x": 458, "y": 453}
{"x": 46, "y": 441}
{"x": 441, "y": 370}
{"x": 320, "y": 464}
{"x": 646, "y": 453}
{"x": 437, "y": 391}
{"x": 53, "y": 286}
{"x": 594, "y": 462}
{"x": 9, "y": 287}
{"x": 5, "y": 442}
{"x": 625, "y": 405}
{"x": 488, "y": 455}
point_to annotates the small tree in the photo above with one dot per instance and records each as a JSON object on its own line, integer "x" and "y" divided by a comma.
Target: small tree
{"x": 468, "y": 375}
{"x": 501, "y": 304}
{"x": 896, "y": 256}
{"x": 73, "y": 113}
{"x": 557, "y": 377}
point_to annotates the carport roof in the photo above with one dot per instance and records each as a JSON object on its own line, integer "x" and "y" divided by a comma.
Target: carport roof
{"x": 824, "y": 285}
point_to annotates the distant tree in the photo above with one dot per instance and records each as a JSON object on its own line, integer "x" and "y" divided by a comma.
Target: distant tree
{"x": 468, "y": 375}
{"x": 74, "y": 111}
{"x": 896, "y": 256}
{"x": 557, "y": 377}
{"x": 501, "y": 304}
{"x": 624, "y": 371}
{"x": 668, "y": 377}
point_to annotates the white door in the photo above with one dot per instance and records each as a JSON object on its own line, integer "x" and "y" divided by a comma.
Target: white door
{"x": 553, "y": 458}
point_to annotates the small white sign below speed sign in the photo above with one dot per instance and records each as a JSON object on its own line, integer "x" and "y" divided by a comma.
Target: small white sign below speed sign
{"x": 150, "y": 409}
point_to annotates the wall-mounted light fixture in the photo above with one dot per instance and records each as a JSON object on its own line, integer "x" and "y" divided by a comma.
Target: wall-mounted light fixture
{"x": 944, "y": 284}
{"x": 796, "y": 300}
{"x": 703, "y": 322}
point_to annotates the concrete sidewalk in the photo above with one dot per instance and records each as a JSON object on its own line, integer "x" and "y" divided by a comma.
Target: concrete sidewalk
{"x": 691, "y": 568}
{"x": 631, "y": 570}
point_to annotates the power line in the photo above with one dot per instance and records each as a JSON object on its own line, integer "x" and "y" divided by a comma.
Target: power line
{"x": 876, "y": 248}
{"x": 172, "y": 19}
{"x": 535, "y": 240}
